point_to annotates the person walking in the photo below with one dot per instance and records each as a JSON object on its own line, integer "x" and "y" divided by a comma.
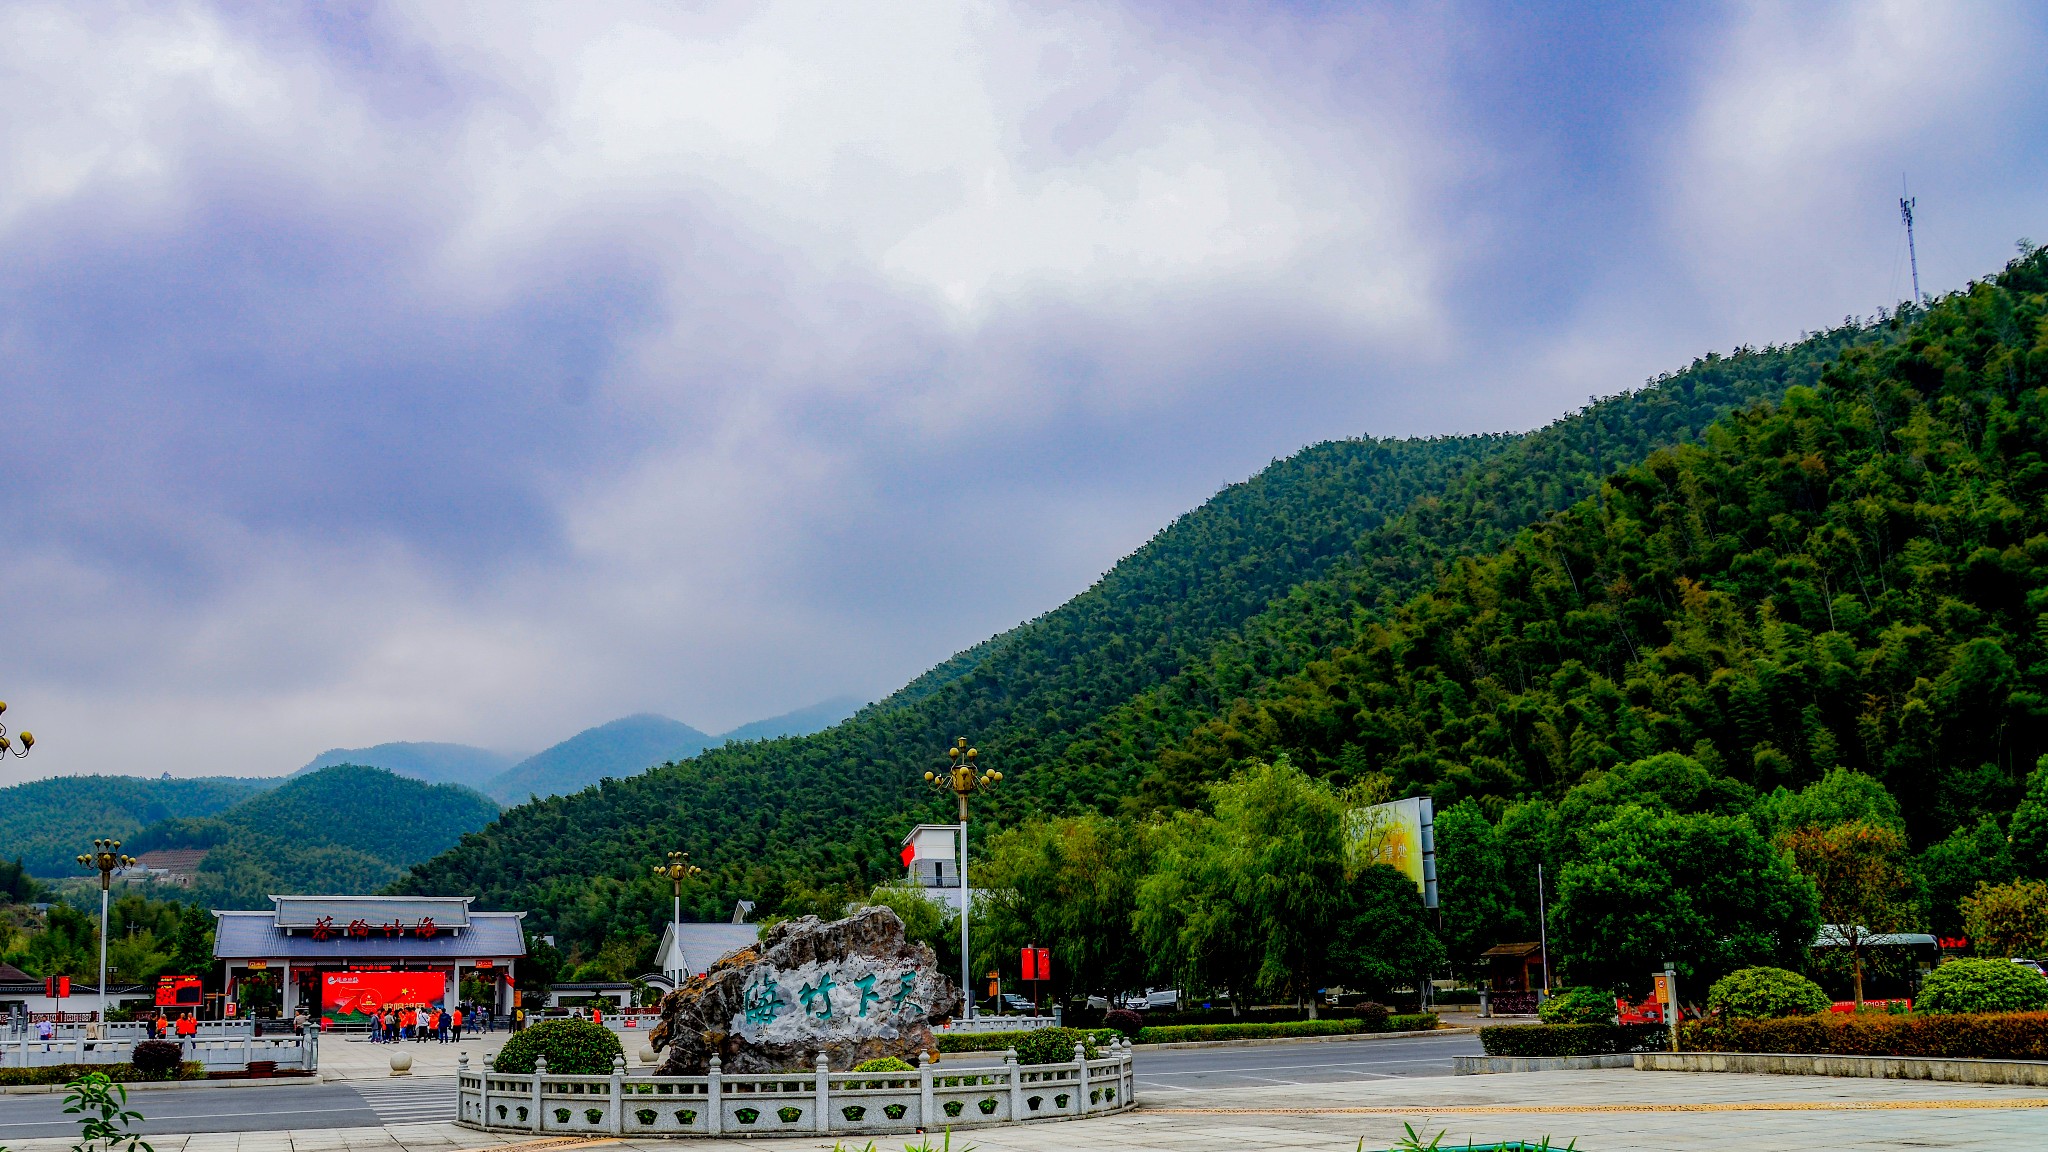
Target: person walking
{"x": 455, "y": 1024}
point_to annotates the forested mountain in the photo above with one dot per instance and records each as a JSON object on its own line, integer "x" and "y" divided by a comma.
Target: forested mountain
{"x": 433, "y": 763}
{"x": 1854, "y": 577}
{"x": 1267, "y": 576}
{"x": 624, "y": 747}
{"x": 345, "y": 828}
{"x": 47, "y": 823}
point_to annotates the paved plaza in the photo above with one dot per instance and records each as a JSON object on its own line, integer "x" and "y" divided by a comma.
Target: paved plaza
{"x": 1607, "y": 1111}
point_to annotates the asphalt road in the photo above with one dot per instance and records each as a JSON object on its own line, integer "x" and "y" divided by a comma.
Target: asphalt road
{"x": 342, "y": 1104}
{"x": 372, "y": 1103}
{"x": 1173, "y": 1071}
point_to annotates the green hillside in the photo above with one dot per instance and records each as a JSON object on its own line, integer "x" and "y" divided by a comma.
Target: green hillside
{"x": 1263, "y": 578}
{"x": 345, "y": 828}
{"x": 49, "y": 822}
{"x": 1851, "y": 578}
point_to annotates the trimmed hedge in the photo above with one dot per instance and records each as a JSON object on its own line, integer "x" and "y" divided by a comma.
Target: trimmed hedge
{"x": 1957, "y": 1036}
{"x": 573, "y": 1048}
{"x": 119, "y": 1073}
{"x": 1055, "y": 1046}
{"x": 1177, "y": 1033}
{"x": 1000, "y": 1041}
{"x": 1571, "y": 1039}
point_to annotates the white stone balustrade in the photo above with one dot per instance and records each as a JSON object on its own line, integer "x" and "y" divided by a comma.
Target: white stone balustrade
{"x": 814, "y": 1101}
{"x": 224, "y": 1054}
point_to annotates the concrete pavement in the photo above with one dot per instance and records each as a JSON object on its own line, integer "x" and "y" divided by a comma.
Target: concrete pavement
{"x": 1606, "y": 1111}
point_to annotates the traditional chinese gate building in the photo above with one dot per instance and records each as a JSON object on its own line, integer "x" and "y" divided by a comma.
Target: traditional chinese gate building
{"x": 302, "y": 940}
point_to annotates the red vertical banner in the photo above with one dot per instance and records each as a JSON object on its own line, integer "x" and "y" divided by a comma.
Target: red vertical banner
{"x": 1044, "y": 963}
{"x": 1028, "y": 958}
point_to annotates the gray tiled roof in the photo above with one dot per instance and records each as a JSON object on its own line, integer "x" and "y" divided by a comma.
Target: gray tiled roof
{"x": 304, "y": 911}
{"x": 705, "y": 944}
{"x": 256, "y": 936}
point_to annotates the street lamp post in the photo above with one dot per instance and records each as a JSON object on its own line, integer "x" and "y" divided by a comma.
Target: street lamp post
{"x": 106, "y": 857}
{"x": 28, "y": 739}
{"x": 678, "y": 869}
{"x": 961, "y": 779}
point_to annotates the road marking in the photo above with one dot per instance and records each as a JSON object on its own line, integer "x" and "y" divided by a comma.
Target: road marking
{"x": 1547, "y": 1109}
{"x": 1288, "y": 1067}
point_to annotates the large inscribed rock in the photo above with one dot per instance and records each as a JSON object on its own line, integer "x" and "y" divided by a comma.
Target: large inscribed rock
{"x": 855, "y": 989}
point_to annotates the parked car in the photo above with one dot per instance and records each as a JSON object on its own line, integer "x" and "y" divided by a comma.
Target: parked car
{"x": 1015, "y": 1003}
{"x": 2035, "y": 965}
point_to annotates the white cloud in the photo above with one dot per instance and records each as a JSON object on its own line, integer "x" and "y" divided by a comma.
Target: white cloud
{"x": 881, "y": 250}
{"x": 1784, "y": 183}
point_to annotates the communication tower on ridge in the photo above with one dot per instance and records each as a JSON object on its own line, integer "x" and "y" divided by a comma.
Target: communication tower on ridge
{"x": 1906, "y": 204}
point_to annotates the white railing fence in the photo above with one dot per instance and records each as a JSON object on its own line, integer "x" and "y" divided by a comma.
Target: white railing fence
{"x": 137, "y": 1030}
{"x": 819, "y": 1101}
{"x": 288, "y": 1053}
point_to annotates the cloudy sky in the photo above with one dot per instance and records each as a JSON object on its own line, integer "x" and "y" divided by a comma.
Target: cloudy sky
{"x": 437, "y": 372}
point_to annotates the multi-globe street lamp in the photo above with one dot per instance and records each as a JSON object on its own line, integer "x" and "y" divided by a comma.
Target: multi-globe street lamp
{"x": 106, "y": 857}
{"x": 963, "y": 778}
{"x": 28, "y": 739}
{"x": 677, "y": 870}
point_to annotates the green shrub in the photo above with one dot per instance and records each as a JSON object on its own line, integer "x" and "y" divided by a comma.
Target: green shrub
{"x": 156, "y": 1059}
{"x": 1053, "y": 1046}
{"x": 1124, "y": 1020}
{"x": 998, "y": 1041}
{"x": 1570, "y": 1039}
{"x": 1952, "y": 1036}
{"x": 65, "y": 1073}
{"x": 1764, "y": 994}
{"x": 1983, "y": 986}
{"x": 573, "y": 1048}
{"x": 1578, "y": 1006}
{"x": 884, "y": 1064}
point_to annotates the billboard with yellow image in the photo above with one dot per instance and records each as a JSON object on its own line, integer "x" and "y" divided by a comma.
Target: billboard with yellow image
{"x": 1401, "y": 833}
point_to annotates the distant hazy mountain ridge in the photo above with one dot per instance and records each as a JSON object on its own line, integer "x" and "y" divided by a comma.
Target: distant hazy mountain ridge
{"x": 463, "y": 764}
{"x": 626, "y": 746}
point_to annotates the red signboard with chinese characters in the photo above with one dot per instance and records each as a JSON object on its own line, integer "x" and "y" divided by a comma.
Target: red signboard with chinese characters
{"x": 178, "y": 991}
{"x": 346, "y": 996}
{"x": 1037, "y": 963}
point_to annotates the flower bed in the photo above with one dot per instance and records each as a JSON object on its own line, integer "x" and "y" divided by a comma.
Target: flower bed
{"x": 1956, "y": 1036}
{"x": 119, "y": 1073}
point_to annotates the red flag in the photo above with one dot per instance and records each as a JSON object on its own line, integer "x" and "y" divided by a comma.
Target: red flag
{"x": 1045, "y": 963}
{"x": 1028, "y": 958}
{"x": 908, "y": 854}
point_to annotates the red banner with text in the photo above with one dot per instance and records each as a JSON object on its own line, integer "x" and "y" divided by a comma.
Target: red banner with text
{"x": 354, "y": 996}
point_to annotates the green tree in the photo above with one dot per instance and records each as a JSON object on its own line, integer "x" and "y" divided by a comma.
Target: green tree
{"x": 1842, "y": 796}
{"x": 2030, "y": 825}
{"x": 1189, "y": 919}
{"x": 1859, "y": 874}
{"x": 1950, "y": 869}
{"x": 1705, "y": 892}
{"x": 2008, "y": 919}
{"x": 1476, "y": 903}
{"x": 1383, "y": 939}
{"x": 1070, "y": 885}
